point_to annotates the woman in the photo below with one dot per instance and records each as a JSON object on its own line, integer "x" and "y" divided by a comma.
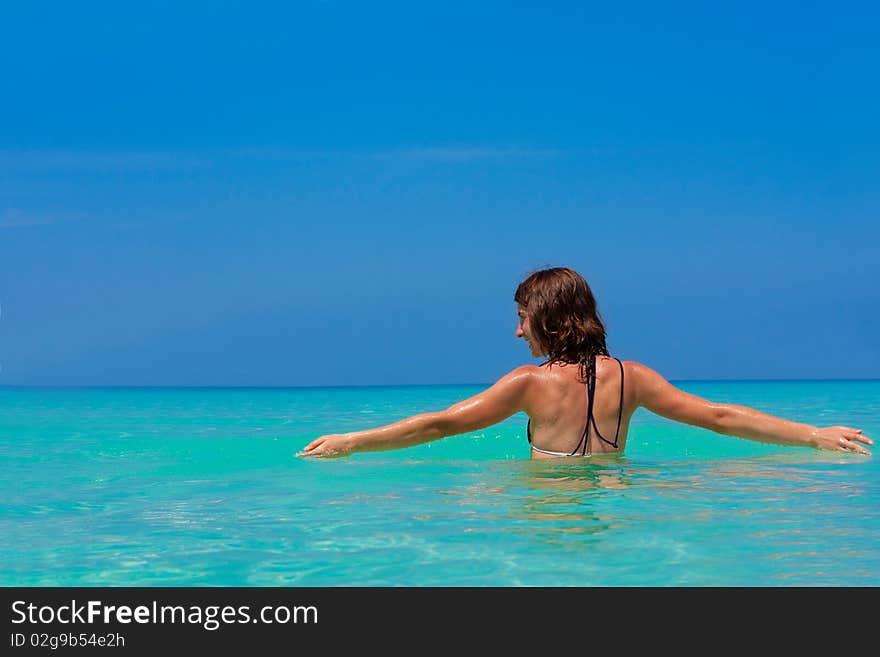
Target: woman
{"x": 580, "y": 400}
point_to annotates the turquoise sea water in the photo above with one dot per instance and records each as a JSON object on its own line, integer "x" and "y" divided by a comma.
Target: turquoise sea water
{"x": 199, "y": 486}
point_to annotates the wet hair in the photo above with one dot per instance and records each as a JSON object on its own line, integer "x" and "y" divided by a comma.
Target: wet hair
{"x": 563, "y": 316}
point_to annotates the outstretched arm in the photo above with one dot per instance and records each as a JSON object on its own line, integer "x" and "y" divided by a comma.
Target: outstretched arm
{"x": 659, "y": 396}
{"x": 503, "y": 399}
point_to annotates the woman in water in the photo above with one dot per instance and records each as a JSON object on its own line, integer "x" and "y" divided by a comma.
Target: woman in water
{"x": 580, "y": 400}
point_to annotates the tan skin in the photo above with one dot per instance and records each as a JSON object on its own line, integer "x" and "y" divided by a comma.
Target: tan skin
{"x": 554, "y": 399}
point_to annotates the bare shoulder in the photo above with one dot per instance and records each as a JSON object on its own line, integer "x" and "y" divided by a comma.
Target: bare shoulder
{"x": 654, "y": 392}
{"x": 526, "y": 372}
{"x": 523, "y": 384}
{"x": 519, "y": 378}
{"x": 641, "y": 378}
{"x": 636, "y": 370}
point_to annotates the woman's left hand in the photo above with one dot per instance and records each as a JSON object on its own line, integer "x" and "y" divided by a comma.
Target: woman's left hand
{"x": 845, "y": 439}
{"x": 332, "y": 445}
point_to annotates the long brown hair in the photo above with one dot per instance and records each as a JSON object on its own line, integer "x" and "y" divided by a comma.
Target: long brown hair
{"x": 563, "y": 316}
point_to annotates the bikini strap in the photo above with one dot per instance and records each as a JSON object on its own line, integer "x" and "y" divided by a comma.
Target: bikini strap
{"x": 591, "y": 388}
{"x": 619, "y": 414}
{"x": 591, "y": 393}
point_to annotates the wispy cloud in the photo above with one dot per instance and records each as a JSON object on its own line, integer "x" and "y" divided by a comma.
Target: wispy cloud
{"x": 458, "y": 153}
{"x": 74, "y": 161}
{"x": 466, "y": 153}
{"x": 15, "y": 218}
{"x": 91, "y": 161}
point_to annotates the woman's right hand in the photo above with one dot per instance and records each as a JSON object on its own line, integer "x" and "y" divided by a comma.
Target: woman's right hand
{"x": 841, "y": 439}
{"x": 329, "y": 446}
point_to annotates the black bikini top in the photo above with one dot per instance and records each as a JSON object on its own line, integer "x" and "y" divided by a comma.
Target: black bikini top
{"x": 591, "y": 393}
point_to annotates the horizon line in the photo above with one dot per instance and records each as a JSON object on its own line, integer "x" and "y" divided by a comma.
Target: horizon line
{"x": 388, "y": 385}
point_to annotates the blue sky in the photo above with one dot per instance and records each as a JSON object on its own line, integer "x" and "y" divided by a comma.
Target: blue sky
{"x": 331, "y": 193}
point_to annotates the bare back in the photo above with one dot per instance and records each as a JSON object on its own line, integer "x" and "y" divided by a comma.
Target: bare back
{"x": 557, "y": 407}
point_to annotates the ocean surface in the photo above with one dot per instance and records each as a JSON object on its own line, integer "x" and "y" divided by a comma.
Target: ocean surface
{"x": 200, "y": 487}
